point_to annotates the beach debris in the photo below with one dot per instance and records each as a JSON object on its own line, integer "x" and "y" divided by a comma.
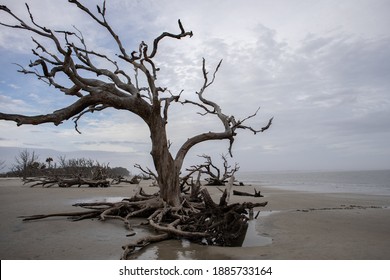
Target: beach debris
{"x": 255, "y": 194}
{"x": 204, "y": 222}
{"x": 48, "y": 182}
{"x": 121, "y": 179}
{"x": 342, "y": 207}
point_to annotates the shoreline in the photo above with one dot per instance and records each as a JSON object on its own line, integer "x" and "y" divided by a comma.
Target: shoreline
{"x": 324, "y": 226}
{"x": 365, "y": 182}
{"x": 302, "y": 225}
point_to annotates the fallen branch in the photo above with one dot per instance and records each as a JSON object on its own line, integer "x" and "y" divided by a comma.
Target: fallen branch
{"x": 240, "y": 193}
{"x": 120, "y": 179}
{"x": 67, "y": 182}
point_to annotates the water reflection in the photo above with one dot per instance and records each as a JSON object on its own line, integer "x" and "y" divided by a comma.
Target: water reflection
{"x": 253, "y": 238}
{"x": 185, "y": 250}
{"x": 173, "y": 250}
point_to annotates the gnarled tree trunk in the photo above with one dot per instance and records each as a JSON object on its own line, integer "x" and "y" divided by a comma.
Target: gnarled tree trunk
{"x": 165, "y": 165}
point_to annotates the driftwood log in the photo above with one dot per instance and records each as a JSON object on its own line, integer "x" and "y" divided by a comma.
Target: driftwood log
{"x": 240, "y": 193}
{"x": 255, "y": 194}
{"x": 120, "y": 179}
{"x": 204, "y": 222}
{"x": 67, "y": 182}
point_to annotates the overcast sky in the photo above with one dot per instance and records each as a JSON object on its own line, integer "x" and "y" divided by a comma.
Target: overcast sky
{"x": 321, "y": 68}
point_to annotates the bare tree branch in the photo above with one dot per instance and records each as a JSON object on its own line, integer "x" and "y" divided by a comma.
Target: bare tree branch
{"x": 229, "y": 123}
{"x": 167, "y": 34}
{"x": 57, "y": 117}
{"x": 216, "y": 175}
{"x": 91, "y": 109}
{"x": 168, "y": 101}
{"x": 147, "y": 171}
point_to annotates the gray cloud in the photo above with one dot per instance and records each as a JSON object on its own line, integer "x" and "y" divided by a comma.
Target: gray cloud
{"x": 112, "y": 142}
{"x": 326, "y": 80}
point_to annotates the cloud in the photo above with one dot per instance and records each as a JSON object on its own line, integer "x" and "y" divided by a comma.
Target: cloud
{"x": 11, "y": 105}
{"x": 113, "y": 142}
{"x": 113, "y": 145}
{"x": 324, "y": 79}
{"x": 14, "y": 86}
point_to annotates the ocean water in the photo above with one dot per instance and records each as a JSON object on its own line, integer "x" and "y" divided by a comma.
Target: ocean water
{"x": 376, "y": 182}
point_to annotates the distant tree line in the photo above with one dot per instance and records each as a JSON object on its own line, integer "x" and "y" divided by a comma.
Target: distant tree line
{"x": 28, "y": 164}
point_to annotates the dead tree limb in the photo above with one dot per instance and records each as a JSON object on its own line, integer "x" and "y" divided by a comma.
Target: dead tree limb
{"x": 48, "y": 182}
{"x": 120, "y": 179}
{"x": 255, "y": 194}
{"x": 216, "y": 176}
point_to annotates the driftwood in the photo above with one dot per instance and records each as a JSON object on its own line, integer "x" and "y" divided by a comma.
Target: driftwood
{"x": 215, "y": 182}
{"x": 240, "y": 193}
{"x": 120, "y": 179}
{"x": 203, "y": 222}
{"x": 67, "y": 182}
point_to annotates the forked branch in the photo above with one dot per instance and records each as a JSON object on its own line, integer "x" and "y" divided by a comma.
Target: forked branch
{"x": 75, "y": 58}
{"x": 210, "y": 107}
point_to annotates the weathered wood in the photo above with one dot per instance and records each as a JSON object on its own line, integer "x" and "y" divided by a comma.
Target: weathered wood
{"x": 120, "y": 179}
{"x": 74, "y": 215}
{"x": 67, "y": 182}
{"x": 195, "y": 188}
{"x": 205, "y": 222}
{"x": 229, "y": 188}
{"x": 208, "y": 201}
{"x": 240, "y": 193}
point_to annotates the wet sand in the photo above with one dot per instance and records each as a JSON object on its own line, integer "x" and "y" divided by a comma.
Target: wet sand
{"x": 294, "y": 225}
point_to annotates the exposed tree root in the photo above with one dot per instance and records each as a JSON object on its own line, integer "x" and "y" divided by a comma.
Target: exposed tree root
{"x": 143, "y": 242}
{"x": 203, "y": 222}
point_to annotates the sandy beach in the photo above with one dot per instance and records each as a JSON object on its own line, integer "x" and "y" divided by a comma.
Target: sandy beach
{"x": 294, "y": 225}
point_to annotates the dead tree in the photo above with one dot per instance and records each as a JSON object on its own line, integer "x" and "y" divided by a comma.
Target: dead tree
{"x": 24, "y": 163}
{"x": 95, "y": 89}
{"x": 217, "y": 177}
{"x": 73, "y": 172}
{"x": 114, "y": 88}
